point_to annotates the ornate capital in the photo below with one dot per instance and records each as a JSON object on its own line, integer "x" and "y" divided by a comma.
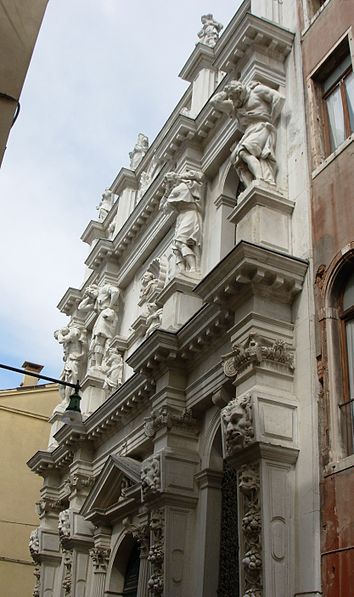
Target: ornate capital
{"x": 255, "y": 351}
{"x": 100, "y": 558}
{"x": 166, "y": 417}
{"x": 237, "y": 419}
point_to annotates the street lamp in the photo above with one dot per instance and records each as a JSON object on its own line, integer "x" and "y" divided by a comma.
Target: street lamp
{"x": 74, "y": 401}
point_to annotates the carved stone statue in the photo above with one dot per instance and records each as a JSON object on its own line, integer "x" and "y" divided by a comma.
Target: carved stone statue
{"x": 238, "y": 424}
{"x": 74, "y": 341}
{"x": 33, "y": 544}
{"x": 105, "y": 204}
{"x": 209, "y": 33}
{"x": 257, "y": 108}
{"x": 140, "y": 149}
{"x": 183, "y": 194}
{"x": 149, "y": 283}
{"x": 113, "y": 367}
{"x": 153, "y": 318}
{"x": 103, "y": 300}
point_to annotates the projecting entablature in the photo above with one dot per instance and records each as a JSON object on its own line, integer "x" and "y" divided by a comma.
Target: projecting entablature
{"x": 247, "y": 34}
{"x": 263, "y": 271}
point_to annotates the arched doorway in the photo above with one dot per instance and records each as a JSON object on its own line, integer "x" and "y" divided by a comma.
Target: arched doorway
{"x": 131, "y": 577}
{"x": 124, "y": 574}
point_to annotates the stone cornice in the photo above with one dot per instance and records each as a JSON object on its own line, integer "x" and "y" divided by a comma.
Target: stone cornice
{"x": 69, "y": 301}
{"x": 102, "y": 250}
{"x": 266, "y": 451}
{"x": 93, "y": 231}
{"x": 201, "y": 57}
{"x": 125, "y": 179}
{"x": 245, "y": 31}
{"x": 266, "y": 272}
{"x": 177, "y": 347}
{"x": 121, "y": 405}
{"x": 44, "y": 462}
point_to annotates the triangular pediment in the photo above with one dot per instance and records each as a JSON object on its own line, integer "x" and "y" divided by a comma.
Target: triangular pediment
{"x": 117, "y": 484}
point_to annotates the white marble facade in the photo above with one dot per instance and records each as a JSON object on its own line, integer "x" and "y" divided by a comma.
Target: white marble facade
{"x": 192, "y": 341}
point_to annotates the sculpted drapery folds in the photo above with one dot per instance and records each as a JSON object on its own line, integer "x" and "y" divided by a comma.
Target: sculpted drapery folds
{"x": 183, "y": 194}
{"x": 257, "y": 109}
{"x": 74, "y": 341}
{"x": 113, "y": 369}
{"x": 140, "y": 148}
{"x": 209, "y": 33}
{"x": 105, "y": 204}
{"x": 103, "y": 300}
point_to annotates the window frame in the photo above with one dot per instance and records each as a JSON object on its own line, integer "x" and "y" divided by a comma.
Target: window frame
{"x": 339, "y": 83}
{"x": 344, "y": 316}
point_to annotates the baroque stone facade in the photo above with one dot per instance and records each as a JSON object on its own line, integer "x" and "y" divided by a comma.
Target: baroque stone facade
{"x": 192, "y": 340}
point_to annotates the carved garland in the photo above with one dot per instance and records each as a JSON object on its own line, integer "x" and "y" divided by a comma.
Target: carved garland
{"x": 156, "y": 552}
{"x": 251, "y": 526}
{"x": 67, "y": 561}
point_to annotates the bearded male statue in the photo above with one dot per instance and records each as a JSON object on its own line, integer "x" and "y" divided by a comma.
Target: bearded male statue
{"x": 257, "y": 108}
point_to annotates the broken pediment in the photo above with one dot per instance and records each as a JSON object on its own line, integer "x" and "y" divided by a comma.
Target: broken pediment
{"x": 116, "y": 490}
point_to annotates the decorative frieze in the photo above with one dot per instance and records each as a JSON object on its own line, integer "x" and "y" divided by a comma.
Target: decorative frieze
{"x": 251, "y": 529}
{"x": 157, "y": 552}
{"x": 150, "y": 476}
{"x": 237, "y": 419}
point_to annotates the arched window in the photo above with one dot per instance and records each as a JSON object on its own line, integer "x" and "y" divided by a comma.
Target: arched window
{"x": 346, "y": 315}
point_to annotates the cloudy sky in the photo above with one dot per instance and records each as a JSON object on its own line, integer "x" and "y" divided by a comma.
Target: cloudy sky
{"x": 102, "y": 71}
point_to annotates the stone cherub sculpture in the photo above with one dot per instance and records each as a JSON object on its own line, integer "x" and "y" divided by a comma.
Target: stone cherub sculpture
{"x": 103, "y": 300}
{"x": 140, "y": 148}
{"x": 183, "y": 193}
{"x": 209, "y": 33}
{"x": 153, "y": 317}
{"x": 257, "y": 109}
{"x": 105, "y": 204}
